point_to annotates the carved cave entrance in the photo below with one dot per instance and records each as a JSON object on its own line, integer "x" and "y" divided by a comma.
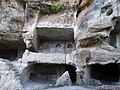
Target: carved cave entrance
{"x": 107, "y": 74}
{"x": 50, "y": 72}
{"x": 12, "y": 51}
{"x": 55, "y": 40}
{"x": 10, "y": 54}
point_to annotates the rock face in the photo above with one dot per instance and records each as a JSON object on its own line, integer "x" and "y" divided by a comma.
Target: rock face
{"x": 9, "y": 76}
{"x": 41, "y": 39}
{"x": 64, "y": 80}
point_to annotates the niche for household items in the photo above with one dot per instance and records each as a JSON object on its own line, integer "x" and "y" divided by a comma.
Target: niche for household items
{"x": 12, "y": 51}
{"x": 70, "y": 46}
{"x": 108, "y": 73}
{"x": 57, "y": 47}
{"x": 11, "y": 54}
{"x": 72, "y": 72}
{"x": 112, "y": 39}
{"x": 55, "y": 40}
{"x": 47, "y": 72}
{"x": 107, "y": 9}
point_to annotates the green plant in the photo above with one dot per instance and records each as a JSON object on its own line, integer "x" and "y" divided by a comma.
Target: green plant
{"x": 57, "y": 6}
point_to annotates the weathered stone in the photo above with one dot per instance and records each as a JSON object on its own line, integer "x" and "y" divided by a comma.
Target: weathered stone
{"x": 49, "y": 32}
{"x": 10, "y": 79}
{"x": 64, "y": 80}
{"x": 90, "y": 41}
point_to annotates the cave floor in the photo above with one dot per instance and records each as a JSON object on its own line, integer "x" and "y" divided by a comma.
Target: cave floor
{"x": 34, "y": 85}
{"x": 45, "y": 85}
{"x": 40, "y": 85}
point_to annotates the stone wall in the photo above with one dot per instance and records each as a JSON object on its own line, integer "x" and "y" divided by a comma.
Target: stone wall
{"x": 38, "y": 33}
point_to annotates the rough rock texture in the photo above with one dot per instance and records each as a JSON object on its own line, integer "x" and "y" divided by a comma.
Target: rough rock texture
{"x": 9, "y": 76}
{"x": 92, "y": 33}
{"x": 64, "y": 80}
{"x": 12, "y": 19}
{"x": 37, "y": 31}
{"x": 109, "y": 87}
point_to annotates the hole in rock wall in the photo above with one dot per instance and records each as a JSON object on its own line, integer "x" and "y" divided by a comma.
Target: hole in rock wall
{"x": 57, "y": 47}
{"x": 55, "y": 40}
{"x": 108, "y": 73}
{"x": 112, "y": 39}
{"x": 12, "y": 51}
{"x": 11, "y": 54}
{"x": 107, "y": 9}
{"x": 70, "y": 46}
{"x": 47, "y": 73}
{"x": 72, "y": 72}
{"x": 109, "y": 12}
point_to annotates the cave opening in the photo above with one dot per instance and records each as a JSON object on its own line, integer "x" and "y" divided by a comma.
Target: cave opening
{"x": 72, "y": 72}
{"x": 54, "y": 40}
{"x": 112, "y": 40}
{"x": 12, "y": 51}
{"x": 108, "y": 73}
{"x": 47, "y": 73}
{"x": 9, "y": 54}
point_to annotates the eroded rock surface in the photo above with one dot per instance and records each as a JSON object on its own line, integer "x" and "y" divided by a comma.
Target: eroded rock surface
{"x": 35, "y": 34}
{"x": 64, "y": 80}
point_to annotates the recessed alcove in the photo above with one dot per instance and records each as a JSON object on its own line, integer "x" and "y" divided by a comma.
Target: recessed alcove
{"x": 112, "y": 40}
{"x": 114, "y": 37}
{"x": 103, "y": 74}
{"x": 11, "y": 51}
{"x": 9, "y": 54}
{"x": 45, "y": 74}
{"x": 72, "y": 72}
{"x": 55, "y": 40}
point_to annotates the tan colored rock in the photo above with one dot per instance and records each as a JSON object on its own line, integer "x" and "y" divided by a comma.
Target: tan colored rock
{"x": 39, "y": 34}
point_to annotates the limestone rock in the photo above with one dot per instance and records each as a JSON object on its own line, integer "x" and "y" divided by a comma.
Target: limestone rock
{"x": 90, "y": 41}
{"x": 64, "y": 80}
{"x": 36, "y": 32}
{"x": 10, "y": 79}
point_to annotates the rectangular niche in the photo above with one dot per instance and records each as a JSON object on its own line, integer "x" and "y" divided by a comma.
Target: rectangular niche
{"x": 112, "y": 40}
{"x": 39, "y": 74}
{"x": 55, "y": 40}
{"x": 11, "y": 52}
{"x": 46, "y": 72}
{"x": 103, "y": 74}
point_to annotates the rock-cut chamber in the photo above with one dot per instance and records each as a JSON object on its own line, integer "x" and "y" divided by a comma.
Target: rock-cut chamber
{"x": 107, "y": 74}
{"x": 47, "y": 73}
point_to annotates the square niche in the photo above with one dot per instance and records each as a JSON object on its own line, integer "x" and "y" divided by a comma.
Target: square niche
{"x": 55, "y": 40}
{"x": 12, "y": 51}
